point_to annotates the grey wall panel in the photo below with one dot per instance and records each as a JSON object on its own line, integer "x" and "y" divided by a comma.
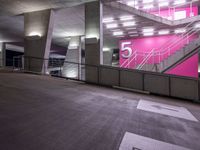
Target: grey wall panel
{"x": 131, "y": 80}
{"x": 109, "y": 76}
{"x": 184, "y": 88}
{"x": 199, "y": 90}
{"x": 91, "y": 74}
{"x": 107, "y": 57}
{"x": 156, "y": 84}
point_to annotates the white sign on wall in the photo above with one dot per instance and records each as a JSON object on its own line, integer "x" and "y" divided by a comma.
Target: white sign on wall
{"x": 126, "y": 49}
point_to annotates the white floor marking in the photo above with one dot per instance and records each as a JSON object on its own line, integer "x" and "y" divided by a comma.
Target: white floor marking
{"x": 136, "y": 142}
{"x": 164, "y": 109}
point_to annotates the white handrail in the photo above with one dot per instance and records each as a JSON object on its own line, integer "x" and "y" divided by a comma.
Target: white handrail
{"x": 193, "y": 33}
{"x": 128, "y": 59}
{"x": 131, "y": 60}
{"x": 149, "y": 56}
{"x": 146, "y": 58}
{"x": 171, "y": 45}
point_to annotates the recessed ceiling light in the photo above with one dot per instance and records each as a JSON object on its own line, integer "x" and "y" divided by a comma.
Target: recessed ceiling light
{"x": 163, "y": 32}
{"x": 147, "y": 1}
{"x": 126, "y": 24}
{"x": 132, "y": 3}
{"x": 197, "y": 25}
{"x": 117, "y": 33}
{"x": 163, "y": 4}
{"x": 34, "y": 33}
{"x": 109, "y": 26}
{"x": 180, "y": 30}
{"x": 145, "y": 30}
{"x": 105, "y": 49}
{"x": 147, "y": 6}
{"x": 108, "y": 20}
{"x": 124, "y": 18}
{"x": 178, "y": 2}
{"x": 148, "y": 34}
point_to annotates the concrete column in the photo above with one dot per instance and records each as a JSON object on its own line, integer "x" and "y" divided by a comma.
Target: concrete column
{"x": 94, "y": 39}
{"x": 107, "y": 57}
{"x": 72, "y": 67}
{"x": 199, "y": 64}
{"x": 38, "y": 27}
{"x": 2, "y": 55}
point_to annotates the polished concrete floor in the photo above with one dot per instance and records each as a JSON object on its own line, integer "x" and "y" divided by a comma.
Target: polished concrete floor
{"x": 44, "y": 113}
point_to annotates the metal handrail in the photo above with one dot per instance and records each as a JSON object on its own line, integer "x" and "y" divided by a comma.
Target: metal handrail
{"x": 144, "y": 60}
{"x": 193, "y": 33}
{"x": 131, "y": 60}
{"x": 127, "y": 59}
{"x": 171, "y": 45}
{"x": 161, "y": 53}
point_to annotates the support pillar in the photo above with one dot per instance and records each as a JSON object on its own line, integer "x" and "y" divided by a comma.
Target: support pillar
{"x": 38, "y": 27}
{"x": 72, "y": 65}
{"x": 107, "y": 57}
{"x": 2, "y": 55}
{"x": 94, "y": 39}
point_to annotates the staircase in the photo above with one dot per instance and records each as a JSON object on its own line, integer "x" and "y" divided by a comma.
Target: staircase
{"x": 180, "y": 56}
{"x": 132, "y": 10}
{"x": 174, "y": 59}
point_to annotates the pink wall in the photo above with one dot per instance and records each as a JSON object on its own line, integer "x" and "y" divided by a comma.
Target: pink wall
{"x": 188, "y": 68}
{"x": 146, "y": 44}
{"x": 158, "y": 43}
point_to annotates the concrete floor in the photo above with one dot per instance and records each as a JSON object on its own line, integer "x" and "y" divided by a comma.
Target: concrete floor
{"x": 44, "y": 113}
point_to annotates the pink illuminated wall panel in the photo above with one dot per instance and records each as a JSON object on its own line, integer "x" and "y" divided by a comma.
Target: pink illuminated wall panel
{"x": 188, "y": 68}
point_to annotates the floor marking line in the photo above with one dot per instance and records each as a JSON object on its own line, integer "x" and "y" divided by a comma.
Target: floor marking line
{"x": 165, "y": 109}
{"x": 132, "y": 141}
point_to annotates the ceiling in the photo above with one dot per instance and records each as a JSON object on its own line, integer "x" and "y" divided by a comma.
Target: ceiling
{"x": 69, "y": 21}
{"x": 16, "y": 7}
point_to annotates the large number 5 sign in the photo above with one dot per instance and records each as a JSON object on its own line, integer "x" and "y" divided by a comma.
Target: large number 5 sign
{"x": 125, "y": 46}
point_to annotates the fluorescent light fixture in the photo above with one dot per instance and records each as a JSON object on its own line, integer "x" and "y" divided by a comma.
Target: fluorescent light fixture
{"x": 117, "y": 33}
{"x": 35, "y": 34}
{"x": 197, "y": 25}
{"x": 163, "y": 4}
{"x": 180, "y": 15}
{"x": 109, "y": 26}
{"x": 127, "y": 24}
{"x": 147, "y": 1}
{"x": 148, "y": 34}
{"x": 146, "y": 30}
{"x": 124, "y": 18}
{"x": 180, "y": 30}
{"x": 163, "y": 32}
{"x": 178, "y": 2}
{"x": 147, "y": 6}
{"x": 105, "y": 49}
{"x": 108, "y": 20}
{"x": 132, "y": 3}
{"x": 136, "y": 7}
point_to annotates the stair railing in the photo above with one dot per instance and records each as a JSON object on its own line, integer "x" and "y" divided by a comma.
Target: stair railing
{"x": 171, "y": 44}
{"x": 127, "y": 60}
